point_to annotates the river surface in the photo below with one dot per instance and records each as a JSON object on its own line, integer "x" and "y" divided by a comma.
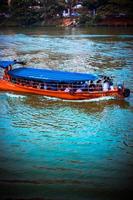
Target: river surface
{"x": 61, "y": 150}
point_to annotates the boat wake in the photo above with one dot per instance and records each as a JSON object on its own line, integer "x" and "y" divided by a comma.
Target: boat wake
{"x": 15, "y": 95}
{"x": 86, "y": 100}
{"x": 64, "y": 100}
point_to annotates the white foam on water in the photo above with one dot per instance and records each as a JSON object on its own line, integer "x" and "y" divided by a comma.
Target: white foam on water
{"x": 86, "y": 100}
{"x": 93, "y": 100}
{"x": 64, "y": 100}
{"x": 15, "y": 95}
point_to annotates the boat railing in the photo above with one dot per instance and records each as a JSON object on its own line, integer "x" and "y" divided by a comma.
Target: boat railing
{"x": 58, "y": 86}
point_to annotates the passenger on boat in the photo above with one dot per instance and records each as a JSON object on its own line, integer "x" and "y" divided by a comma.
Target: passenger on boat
{"x": 6, "y": 76}
{"x": 68, "y": 89}
{"x": 26, "y": 83}
{"x": 10, "y": 67}
{"x": 79, "y": 90}
{"x": 105, "y": 85}
{"x": 45, "y": 86}
{"x": 92, "y": 86}
{"x": 111, "y": 87}
{"x": 31, "y": 83}
{"x": 84, "y": 86}
{"x": 99, "y": 85}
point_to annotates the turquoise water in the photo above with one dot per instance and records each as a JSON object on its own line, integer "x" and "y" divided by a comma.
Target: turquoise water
{"x": 54, "y": 149}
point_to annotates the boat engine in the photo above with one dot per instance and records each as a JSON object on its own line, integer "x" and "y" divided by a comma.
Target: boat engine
{"x": 123, "y": 91}
{"x": 126, "y": 92}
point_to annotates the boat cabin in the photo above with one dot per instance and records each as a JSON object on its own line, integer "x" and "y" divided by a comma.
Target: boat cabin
{"x": 47, "y": 79}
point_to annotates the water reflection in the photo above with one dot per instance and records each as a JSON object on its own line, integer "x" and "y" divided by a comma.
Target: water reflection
{"x": 89, "y": 106}
{"x": 75, "y": 31}
{"x": 57, "y": 149}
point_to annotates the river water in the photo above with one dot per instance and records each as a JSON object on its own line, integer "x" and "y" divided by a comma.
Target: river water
{"x": 60, "y": 150}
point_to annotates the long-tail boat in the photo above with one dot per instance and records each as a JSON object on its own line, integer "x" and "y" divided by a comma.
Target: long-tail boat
{"x": 59, "y": 84}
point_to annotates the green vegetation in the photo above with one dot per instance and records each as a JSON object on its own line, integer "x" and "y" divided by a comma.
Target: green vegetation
{"x": 116, "y": 7}
{"x": 101, "y": 9}
{"x": 28, "y": 12}
{"x": 31, "y": 12}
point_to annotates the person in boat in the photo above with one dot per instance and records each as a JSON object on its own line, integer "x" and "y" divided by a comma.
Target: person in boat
{"x": 84, "y": 86}
{"x": 42, "y": 86}
{"x": 92, "y": 86}
{"x": 111, "y": 87}
{"x": 105, "y": 85}
{"x": 6, "y": 76}
{"x": 45, "y": 86}
{"x": 68, "y": 89}
{"x": 99, "y": 85}
{"x": 38, "y": 85}
{"x": 31, "y": 83}
{"x": 79, "y": 90}
{"x": 10, "y": 67}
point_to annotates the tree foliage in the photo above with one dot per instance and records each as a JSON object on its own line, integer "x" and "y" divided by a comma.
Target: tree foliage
{"x": 3, "y": 6}
{"x": 93, "y": 4}
{"x": 27, "y": 12}
{"x": 22, "y": 12}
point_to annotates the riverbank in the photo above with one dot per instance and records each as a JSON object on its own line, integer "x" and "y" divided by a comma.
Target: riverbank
{"x": 116, "y": 22}
{"x": 75, "y": 21}
{"x": 70, "y": 22}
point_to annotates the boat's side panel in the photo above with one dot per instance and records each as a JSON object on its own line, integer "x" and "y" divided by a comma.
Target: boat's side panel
{"x": 8, "y": 86}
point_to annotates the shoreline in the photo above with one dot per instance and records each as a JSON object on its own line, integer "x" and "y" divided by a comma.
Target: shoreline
{"x": 73, "y": 22}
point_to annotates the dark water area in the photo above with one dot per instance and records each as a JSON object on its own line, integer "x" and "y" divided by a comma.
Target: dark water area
{"x": 63, "y": 150}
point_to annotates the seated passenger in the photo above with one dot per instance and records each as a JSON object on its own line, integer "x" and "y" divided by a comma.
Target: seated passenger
{"x": 31, "y": 83}
{"x": 84, "y": 86}
{"x": 68, "y": 89}
{"x": 10, "y": 67}
{"x": 111, "y": 87}
{"x": 78, "y": 90}
{"x": 38, "y": 86}
{"x": 99, "y": 85}
{"x": 6, "y": 76}
{"x": 91, "y": 86}
{"x": 45, "y": 86}
{"x": 105, "y": 85}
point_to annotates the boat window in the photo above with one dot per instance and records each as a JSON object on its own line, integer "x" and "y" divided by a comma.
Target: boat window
{"x": 80, "y": 86}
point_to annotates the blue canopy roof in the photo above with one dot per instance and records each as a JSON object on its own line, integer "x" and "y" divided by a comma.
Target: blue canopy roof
{"x": 50, "y": 75}
{"x": 5, "y": 64}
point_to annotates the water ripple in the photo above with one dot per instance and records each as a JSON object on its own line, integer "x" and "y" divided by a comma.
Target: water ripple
{"x": 53, "y": 143}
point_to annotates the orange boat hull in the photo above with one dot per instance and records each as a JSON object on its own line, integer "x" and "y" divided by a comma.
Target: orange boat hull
{"x": 10, "y": 87}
